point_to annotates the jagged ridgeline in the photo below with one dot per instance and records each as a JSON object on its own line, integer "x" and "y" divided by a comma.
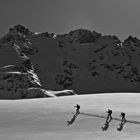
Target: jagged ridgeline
{"x": 82, "y": 60}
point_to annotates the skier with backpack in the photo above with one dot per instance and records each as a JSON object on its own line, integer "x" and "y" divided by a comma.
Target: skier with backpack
{"x": 109, "y": 117}
{"x": 77, "y": 109}
{"x": 123, "y": 118}
{"x": 123, "y": 121}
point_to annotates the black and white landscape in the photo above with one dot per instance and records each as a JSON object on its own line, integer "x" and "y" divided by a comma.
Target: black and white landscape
{"x": 69, "y": 70}
{"x": 43, "y": 65}
{"x": 44, "y": 119}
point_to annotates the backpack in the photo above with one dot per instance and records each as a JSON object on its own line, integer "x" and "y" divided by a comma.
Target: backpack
{"x": 110, "y": 111}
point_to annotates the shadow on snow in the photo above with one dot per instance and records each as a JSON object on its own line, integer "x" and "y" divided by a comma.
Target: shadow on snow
{"x": 117, "y": 119}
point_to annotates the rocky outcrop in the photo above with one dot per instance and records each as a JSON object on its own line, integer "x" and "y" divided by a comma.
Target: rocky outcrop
{"x": 18, "y": 77}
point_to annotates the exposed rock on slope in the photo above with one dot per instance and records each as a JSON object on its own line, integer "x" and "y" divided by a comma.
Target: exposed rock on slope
{"x": 84, "y": 61}
{"x": 18, "y": 78}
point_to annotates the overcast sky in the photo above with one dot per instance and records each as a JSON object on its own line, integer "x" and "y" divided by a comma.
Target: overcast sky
{"x": 119, "y": 17}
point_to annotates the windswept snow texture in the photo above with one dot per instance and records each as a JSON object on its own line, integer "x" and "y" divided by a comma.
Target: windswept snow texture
{"x": 81, "y": 60}
{"x": 46, "y": 119}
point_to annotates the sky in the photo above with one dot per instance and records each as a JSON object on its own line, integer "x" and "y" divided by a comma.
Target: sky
{"x": 118, "y": 17}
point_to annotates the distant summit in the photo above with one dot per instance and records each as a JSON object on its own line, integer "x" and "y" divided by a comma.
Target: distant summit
{"x": 82, "y": 60}
{"x": 82, "y": 36}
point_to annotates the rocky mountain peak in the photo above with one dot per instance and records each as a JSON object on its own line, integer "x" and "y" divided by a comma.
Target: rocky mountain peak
{"x": 82, "y": 60}
{"x": 20, "y": 29}
{"x": 81, "y": 36}
{"x": 131, "y": 39}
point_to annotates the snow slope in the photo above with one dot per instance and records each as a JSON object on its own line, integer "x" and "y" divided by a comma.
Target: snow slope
{"x": 45, "y": 119}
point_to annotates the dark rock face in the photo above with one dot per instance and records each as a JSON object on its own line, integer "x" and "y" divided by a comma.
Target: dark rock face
{"x": 16, "y": 86}
{"x": 17, "y": 73}
{"x": 84, "y": 61}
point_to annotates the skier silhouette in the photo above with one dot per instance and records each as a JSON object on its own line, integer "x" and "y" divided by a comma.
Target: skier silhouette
{"x": 108, "y": 120}
{"x": 77, "y": 109}
{"x": 123, "y": 121}
{"x": 123, "y": 118}
{"x": 75, "y": 115}
{"x": 109, "y": 117}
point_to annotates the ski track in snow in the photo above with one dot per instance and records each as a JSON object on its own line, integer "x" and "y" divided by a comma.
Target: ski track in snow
{"x": 116, "y": 119}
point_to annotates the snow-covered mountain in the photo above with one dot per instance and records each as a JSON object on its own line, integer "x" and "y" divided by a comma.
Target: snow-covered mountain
{"x": 81, "y": 60}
